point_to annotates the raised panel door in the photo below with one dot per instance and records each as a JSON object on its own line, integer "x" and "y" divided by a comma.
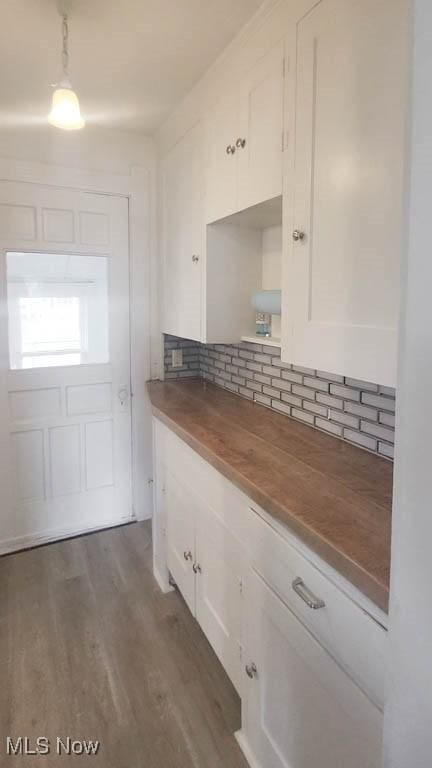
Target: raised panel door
{"x": 218, "y": 588}
{"x": 300, "y": 710}
{"x": 261, "y": 130}
{"x": 183, "y": 236}
{"x": 342, "y": 282}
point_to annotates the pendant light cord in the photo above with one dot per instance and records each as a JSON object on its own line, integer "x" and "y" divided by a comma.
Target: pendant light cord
{"x": 65, "y": 49}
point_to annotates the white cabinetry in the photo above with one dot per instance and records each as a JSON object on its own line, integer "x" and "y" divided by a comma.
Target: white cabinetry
{"x": 206, "y": 561}
{"x": 311, "y": 680}
{"x": 245, "y": 131}
{"x": 342, "y": 282}
{"x": 183, "y": 236}
{"x": 299, "y": 709}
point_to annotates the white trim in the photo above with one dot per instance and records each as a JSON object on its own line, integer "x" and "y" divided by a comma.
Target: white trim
{"x": 162, "y": 583}
{"x": 65, "y": 176}
{"x": 244, "y": 746}
{"x": 55, "y": 534}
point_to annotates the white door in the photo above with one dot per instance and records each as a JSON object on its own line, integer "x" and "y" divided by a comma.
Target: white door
{"x": 218, "y": 589}
{"x": 183, "y": 235}
{"x": 342, "y": 285}
{"x": 180, "y": 537}
{"x": 299, "y": 709}
{"x": 260, "y": 140}
{"x": 65, "y": 414}
{"x": 222, "y": 155}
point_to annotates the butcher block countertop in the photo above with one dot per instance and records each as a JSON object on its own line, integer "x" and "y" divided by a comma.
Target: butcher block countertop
{"x": 335, "y": 497}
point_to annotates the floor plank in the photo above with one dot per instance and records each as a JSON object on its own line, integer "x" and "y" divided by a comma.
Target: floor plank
{"x": 90, "y": 648}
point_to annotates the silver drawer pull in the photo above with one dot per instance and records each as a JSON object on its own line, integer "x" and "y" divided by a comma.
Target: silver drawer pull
{"x": 306, "y": 595}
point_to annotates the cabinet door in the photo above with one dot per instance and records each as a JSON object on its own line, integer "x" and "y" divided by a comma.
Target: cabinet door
{"x": 183, "y": 236}
{"x": 342, "y": 286}
{"x": 218, "y": 589}
{"x": 300, "y": 710}
{"x": 261, "y": 130}
{"x": 180, "y": 537}
{"x": 222, "y": 154}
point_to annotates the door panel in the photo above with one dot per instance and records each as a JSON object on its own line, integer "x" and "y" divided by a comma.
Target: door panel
{"x": 180, "y": 537}
{"x": 301, "y": 710}
{"x": 343, "y": 280}
{"x": 221, "y": 166}
{"x": 65, "y": 436}
{"x": 218, "y": 589}
{"x": 183, "y": 236}
{"x": 261, "y": 127}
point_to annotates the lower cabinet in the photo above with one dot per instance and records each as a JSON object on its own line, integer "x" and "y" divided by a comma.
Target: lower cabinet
{"x": 299, "y": 709}
{"x": 205, "y": 559}
{"x": 308, "y": 679}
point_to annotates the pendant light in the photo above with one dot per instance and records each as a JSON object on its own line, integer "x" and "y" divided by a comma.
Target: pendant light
{"x": 65, "y": 111}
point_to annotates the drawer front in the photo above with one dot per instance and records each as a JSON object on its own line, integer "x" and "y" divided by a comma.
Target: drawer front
{"x": 349, "y": 634}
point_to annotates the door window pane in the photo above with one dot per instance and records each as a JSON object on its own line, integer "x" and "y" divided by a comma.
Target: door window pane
{"x": 57, "y": 309}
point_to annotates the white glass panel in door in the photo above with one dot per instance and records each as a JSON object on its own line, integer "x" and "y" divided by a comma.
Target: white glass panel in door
{"x": 57, "y": 309}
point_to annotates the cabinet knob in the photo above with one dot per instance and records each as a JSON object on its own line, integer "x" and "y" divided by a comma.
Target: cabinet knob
{"x": 195, "y": 258}
{"x": 251, "y": 670}
{"x": 298, "y": 235}
{"x": 187, "y": 555}
{"x": 230, "y": 150}
{"x": 241, "y": 143}
{"x": 196, "y": 568}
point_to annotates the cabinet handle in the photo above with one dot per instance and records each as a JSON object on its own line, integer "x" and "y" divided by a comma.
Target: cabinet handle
{"x": 251, "y": 670}
{"x": 306, "y": 595}
{"x": 230, "y": 150}
{"x": 196, "y": 568}
{"x": 241, "y": 143}
{"x": 187, "y": 555}
{"x": 195, "y": 258}
{"x": 297, "y": 235}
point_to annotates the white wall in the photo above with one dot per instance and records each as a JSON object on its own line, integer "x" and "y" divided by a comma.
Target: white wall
{"x": 408, "y": 717}
{"x": 110, "y": 155}
{"x": 96, "y": 149}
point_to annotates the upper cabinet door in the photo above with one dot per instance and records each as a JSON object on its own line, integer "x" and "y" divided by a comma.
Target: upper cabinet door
{"x": 342, "y": 283}
{"x": 183, "y": 236}
{"x": 259, "y": 141}
{"x": 222, "y": 153}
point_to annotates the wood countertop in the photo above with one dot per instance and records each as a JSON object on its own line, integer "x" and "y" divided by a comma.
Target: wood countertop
{"x": 333, "y": 496}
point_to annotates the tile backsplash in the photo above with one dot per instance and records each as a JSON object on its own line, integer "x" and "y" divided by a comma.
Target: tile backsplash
{"x": 357, "y": 411}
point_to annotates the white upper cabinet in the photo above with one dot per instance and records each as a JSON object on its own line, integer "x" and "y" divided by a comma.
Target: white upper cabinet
{"x": 342, "y": 280}
{"x": 245, "y": 135}
{"x": 260, "y": 140}
{"x": 183, "y": 236}
{"x": 221, "y": 170}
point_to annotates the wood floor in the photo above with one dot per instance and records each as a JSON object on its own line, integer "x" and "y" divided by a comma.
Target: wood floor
{"x": 91, "y": 649}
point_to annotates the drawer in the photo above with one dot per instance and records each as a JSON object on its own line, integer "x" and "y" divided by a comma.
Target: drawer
{"x": 354, "y": 639}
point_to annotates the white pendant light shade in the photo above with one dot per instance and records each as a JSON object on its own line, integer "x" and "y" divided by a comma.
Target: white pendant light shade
{"x": 65, "y": 111}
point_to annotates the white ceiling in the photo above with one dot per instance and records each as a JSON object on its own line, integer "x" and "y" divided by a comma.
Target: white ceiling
{"x": 131, "y": 61}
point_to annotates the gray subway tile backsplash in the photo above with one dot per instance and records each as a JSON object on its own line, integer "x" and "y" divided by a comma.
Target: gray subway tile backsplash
{"x": 359, "y": 412}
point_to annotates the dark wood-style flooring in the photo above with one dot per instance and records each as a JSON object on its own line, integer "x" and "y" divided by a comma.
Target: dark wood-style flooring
{"x": 90, "y": 648}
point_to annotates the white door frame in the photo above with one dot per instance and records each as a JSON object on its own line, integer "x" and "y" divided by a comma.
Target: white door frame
{"x": 136, "y": 186}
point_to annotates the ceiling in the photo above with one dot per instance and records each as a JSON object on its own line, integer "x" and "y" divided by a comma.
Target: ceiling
{"x": 131, "y": 61}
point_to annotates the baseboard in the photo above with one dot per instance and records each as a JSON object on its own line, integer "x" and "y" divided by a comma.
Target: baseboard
{"x": 244, "y": 746}
{"x": 163, "y": 585}
{"x": 45, "y": 537}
